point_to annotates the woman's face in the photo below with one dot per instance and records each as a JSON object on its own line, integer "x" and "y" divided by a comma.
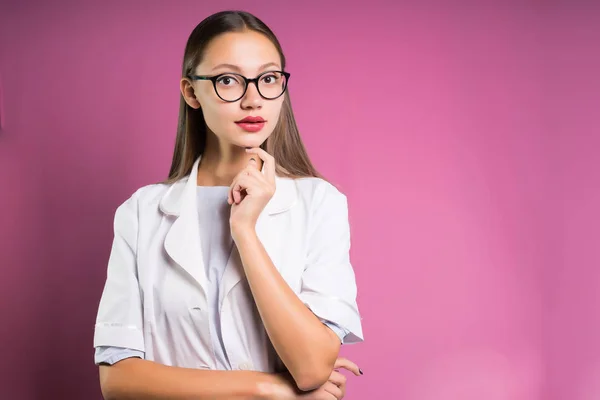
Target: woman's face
{"x": 247, "y": 53}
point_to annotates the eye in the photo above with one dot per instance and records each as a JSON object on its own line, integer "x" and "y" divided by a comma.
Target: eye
{"x": 271, "y": 78}
{"x": 228, "y": 80}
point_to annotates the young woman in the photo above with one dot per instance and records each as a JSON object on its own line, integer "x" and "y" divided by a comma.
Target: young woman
{"x": 232, "y": 279}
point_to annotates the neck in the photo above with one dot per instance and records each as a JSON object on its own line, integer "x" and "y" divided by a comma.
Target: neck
{"x": 221, "y": 162}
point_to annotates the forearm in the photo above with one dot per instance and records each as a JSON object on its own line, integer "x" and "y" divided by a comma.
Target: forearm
{"x": 306, "y": 346}
{"x": 146, "y": 380}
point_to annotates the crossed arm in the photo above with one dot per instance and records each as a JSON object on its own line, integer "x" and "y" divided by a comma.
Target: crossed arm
{"x": 307, "y": 347}
{"x": 138, "y": 379}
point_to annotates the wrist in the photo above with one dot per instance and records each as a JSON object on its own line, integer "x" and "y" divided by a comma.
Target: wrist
{"x": 243, "y": 233}
{"x": 264, "y": 390}
{"x": 274, "y": 387}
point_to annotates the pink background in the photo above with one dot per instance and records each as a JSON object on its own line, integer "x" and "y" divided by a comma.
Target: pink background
{"x": 464, "y": 135}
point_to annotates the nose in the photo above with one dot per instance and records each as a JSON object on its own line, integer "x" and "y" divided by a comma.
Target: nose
{"x": 252, "y": 98}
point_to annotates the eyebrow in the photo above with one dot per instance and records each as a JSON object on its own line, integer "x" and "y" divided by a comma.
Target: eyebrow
{"x": 236, "y": 68}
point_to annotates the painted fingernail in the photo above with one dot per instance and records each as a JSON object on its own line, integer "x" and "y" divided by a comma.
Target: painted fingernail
{"x": 360, "y": 370}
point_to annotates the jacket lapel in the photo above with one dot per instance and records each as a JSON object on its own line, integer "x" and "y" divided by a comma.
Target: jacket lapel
{"x": 182, "y": 242}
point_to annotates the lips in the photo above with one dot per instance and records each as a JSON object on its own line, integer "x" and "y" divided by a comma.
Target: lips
{"x": 250, "y": 120}
{"x": 251, "y": 124}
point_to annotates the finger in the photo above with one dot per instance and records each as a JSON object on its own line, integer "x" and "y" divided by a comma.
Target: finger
{"x": 319, "y": 394}
{"x": 245, "y": 182}
{"x": 333, "y": 390}
{"x": 234, "y": 188}
{"x": 337, "y": 378}
{"x": 342, "y": 362}
{"x": 268, "y": 160}
{"x": 250, "y": 171}
{"x": 236, "y": 191}
{"x": 253, "y": 163}
{"x": 231, "y": 196}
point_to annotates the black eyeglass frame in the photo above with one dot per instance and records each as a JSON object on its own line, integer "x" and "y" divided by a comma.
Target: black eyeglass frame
{"x": 247, "y": 81}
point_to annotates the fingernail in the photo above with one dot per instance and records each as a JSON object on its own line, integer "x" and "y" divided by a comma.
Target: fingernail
{"x": 360, "y": 370}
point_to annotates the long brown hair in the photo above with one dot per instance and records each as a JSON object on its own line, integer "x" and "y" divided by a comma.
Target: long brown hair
{"x": 284, "y": 143}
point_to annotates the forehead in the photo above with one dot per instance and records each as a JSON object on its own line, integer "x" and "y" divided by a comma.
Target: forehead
{"x": 248, "y": 50}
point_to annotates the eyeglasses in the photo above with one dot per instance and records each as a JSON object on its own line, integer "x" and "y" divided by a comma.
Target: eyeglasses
{"x": 231, "y": 87}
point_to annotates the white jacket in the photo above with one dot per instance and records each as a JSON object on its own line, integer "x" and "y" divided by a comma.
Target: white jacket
{"x": 154, "y": 298}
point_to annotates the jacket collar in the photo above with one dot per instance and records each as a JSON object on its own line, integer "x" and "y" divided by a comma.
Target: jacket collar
{"x": 184, "y": 191}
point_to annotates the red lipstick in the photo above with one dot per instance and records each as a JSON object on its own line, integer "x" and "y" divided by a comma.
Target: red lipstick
{"x": 251, "y": 124}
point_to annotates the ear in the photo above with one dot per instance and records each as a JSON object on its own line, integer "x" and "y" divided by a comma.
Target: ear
{"x": 187, "y": 91}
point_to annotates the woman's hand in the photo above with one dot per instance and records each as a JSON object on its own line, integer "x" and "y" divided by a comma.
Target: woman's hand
{"x": 250, "y": 192}
{"x": 335, "y": 387}
{"x": 284, "y": 387}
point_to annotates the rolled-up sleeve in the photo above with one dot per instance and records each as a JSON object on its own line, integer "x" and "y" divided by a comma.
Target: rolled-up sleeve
{"x": 119, "y": 322}
{"x": 338, "y": 330}
{"x": 328, "y": 281}
{"x": 112, "y": 355}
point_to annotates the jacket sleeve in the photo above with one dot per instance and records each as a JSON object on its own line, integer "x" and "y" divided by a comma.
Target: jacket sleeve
{"x": 338, "y": 330}
{"x": 328, "y": 281}
{"x": 119, "y": 322}
{"x": 112, "y": 355}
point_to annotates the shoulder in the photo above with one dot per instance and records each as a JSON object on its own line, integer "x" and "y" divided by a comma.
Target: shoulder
{"x": 144, "y": 196}
{"x": 326, "y": 210}
{"x": 320, "y": 194}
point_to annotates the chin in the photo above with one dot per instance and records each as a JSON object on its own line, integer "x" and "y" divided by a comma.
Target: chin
{"x": 251, "y": 140}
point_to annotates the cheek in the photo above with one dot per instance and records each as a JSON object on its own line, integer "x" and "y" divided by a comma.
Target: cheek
{"x": 219, "y": 117}
{"x": 275, "y": 111}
